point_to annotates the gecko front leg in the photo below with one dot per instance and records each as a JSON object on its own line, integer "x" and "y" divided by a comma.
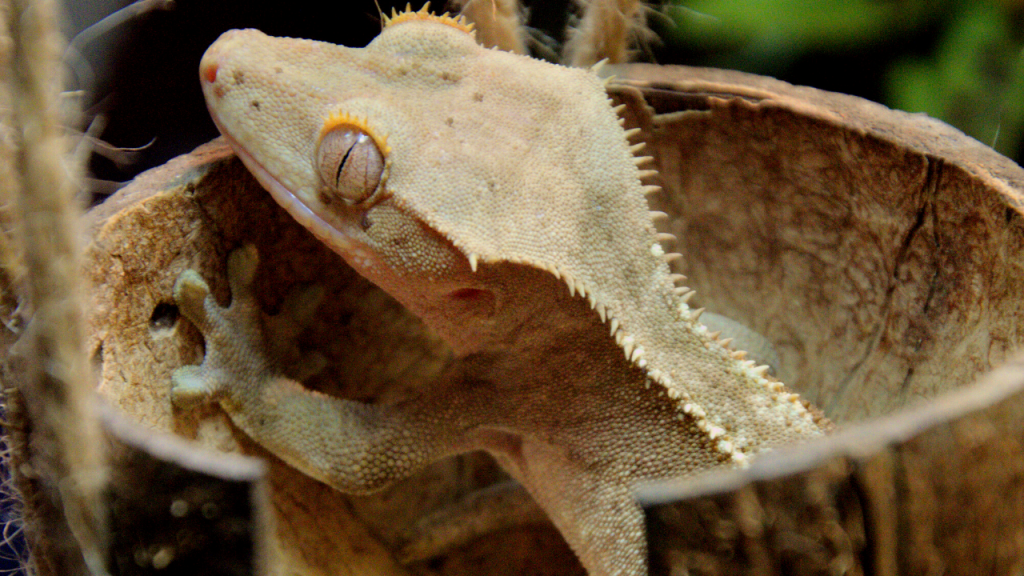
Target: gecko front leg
{"x": 354, "y": 447}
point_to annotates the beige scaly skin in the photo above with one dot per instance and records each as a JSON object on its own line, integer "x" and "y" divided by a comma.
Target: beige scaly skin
{"x": 473, "y": 185}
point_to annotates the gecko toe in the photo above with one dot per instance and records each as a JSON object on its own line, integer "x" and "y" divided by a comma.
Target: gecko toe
{"x": 242, "y": 265}
{"x": 190, "y": 293}
{"x": 190, "y": 387}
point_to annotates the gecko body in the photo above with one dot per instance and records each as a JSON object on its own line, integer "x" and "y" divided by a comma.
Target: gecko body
{"x": 499, "y": 199}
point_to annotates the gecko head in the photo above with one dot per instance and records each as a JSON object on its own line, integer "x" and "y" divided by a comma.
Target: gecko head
{"x": 424, "y": 154}
{"x": 314, "y": 122}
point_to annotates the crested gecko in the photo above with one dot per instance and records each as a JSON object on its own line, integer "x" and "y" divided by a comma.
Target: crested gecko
{"x": 499, "y": 199}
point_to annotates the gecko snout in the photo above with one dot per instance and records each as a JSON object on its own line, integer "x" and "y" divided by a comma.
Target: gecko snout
{"x": 211, "y": 71}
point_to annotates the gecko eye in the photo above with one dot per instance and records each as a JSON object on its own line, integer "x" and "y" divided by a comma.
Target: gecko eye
{"x": 350, "y": 163}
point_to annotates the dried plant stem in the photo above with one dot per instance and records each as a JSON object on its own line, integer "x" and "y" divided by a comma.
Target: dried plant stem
{"x": 66, "y": 443}
{"x": 497, "y": 23}
{"x": 607, "y": 30}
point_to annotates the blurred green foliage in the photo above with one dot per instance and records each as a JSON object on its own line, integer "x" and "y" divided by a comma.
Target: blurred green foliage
{"x": 959, "y": 61}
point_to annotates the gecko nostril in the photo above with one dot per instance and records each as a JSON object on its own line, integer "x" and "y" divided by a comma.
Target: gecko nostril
{"x": 209, "y": 72}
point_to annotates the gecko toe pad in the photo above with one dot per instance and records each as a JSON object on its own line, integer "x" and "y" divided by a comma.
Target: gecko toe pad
{"x": 190, "y": 387}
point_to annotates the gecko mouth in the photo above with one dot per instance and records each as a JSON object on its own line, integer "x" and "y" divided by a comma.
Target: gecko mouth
{"x": 298, "y": 209}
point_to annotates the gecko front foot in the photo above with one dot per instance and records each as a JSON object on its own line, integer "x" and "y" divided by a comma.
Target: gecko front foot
{"x": 235, "y": 351}
{"x": 243, "y": 346}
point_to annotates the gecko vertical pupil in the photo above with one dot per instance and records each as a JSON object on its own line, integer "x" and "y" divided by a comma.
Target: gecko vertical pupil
{"x": 350, "y": 164}
{"x": 344, "y": 160}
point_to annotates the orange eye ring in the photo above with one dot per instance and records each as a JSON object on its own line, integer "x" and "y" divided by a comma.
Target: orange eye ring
{"x": 351, "y": 159}
{"x": 339, "y": 119}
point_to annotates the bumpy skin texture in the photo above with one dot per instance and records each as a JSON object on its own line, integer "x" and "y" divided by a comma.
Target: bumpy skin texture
{"x": 474, "y": 185}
